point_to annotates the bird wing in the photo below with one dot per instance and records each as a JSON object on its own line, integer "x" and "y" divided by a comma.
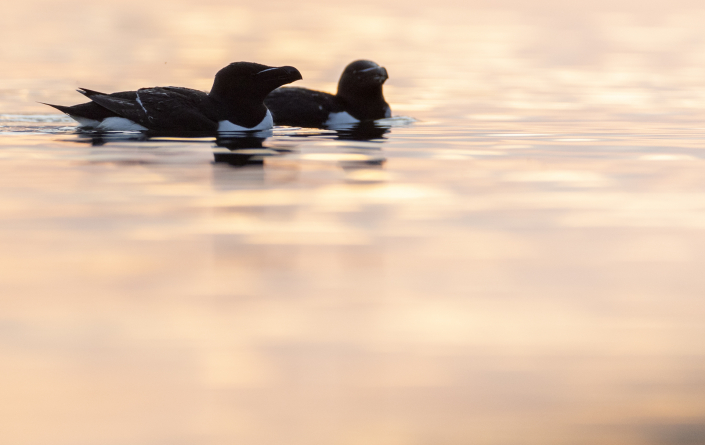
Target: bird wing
{"x": 159, "y": 108}
{"x": 124, "y": 105}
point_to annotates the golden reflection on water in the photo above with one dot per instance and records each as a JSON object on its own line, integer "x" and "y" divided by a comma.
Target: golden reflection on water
{"x": 521, "y": 266}
{"x": 533, "y": 296}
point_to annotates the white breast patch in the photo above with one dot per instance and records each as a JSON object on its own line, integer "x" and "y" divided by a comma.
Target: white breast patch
{"x": 266, "y": 124}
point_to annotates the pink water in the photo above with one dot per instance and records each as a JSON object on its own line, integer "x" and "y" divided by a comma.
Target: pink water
{"x": 522, "y": 264}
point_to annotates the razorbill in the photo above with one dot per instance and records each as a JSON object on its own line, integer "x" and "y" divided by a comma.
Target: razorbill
{"x": 359, "y": 98}
{"x": 235, "y": 103}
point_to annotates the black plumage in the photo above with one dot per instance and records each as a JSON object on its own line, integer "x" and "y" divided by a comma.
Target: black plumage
{"x": 237, "y": 96}
{"x": 359, "y": 95}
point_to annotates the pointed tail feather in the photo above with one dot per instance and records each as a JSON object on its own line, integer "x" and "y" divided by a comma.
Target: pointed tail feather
{"x": 62, "y": 108}
{"x": 89, "y": 114}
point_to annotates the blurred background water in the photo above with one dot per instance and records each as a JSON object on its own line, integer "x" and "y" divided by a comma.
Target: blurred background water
{"x": 519, "y": 265}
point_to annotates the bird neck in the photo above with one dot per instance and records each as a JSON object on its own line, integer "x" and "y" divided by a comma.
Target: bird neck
{"x": 241, "y": 110}
{"x": 364, "y": 103}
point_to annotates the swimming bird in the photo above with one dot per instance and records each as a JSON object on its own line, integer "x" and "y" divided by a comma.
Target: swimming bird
{"x": 359, "y": 98}
{"x": 235, "y": 103}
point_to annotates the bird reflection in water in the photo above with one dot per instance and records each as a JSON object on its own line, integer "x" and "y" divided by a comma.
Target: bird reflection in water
{"x": 368, "y": 131}
{"x": 240, "y": 149}
{"x": 99, "y": 138}
{"x": 248, "y": 149}
{"x": 243, "y": 149}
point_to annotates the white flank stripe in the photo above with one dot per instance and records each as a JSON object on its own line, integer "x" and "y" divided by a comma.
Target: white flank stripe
{"x": 340, "y": 118}
{"x": 119, "y": 124}
{"x": 85, "y": 122}
{"x": 141, "y": 105}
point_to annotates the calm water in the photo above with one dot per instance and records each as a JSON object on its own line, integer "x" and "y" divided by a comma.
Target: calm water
{"x": 515, "y": 258}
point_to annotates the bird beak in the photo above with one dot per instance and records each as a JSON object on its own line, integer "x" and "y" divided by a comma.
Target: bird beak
{"x": 377, "y": 74}
{"x": 280, "y": 75}
{"x": 381, "y": 74}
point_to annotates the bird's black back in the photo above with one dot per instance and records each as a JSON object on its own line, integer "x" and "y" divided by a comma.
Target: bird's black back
{"x": 236, "y": 99}
{"x": 301, "y": 107}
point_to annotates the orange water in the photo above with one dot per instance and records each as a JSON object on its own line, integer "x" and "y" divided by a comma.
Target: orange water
{"x": 521, "y": 265}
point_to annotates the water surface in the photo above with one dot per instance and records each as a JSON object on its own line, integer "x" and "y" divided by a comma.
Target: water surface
{"x": 520, "y": 264}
